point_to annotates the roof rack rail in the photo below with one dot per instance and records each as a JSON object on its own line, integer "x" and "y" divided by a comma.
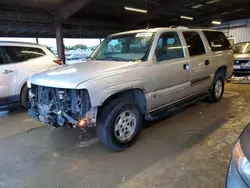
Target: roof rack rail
{"x": 200, "y": 28}
{"x": 180, "y": 26}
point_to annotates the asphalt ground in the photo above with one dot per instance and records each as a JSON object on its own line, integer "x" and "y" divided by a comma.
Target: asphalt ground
{"x": 190, "y": 148}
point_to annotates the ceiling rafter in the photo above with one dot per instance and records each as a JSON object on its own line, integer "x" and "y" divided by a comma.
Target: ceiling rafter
{"x": 103, "y": 17}
{"x": 69, "y": 9}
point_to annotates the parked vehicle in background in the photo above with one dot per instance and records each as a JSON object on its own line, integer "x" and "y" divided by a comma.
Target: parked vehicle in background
{"x": 132, "y": 75}
{"x": 241, "y": 59}
{"x": 232, "y": 40}
{"x": 18, "y": 61}
{"x": 239, "y": 170}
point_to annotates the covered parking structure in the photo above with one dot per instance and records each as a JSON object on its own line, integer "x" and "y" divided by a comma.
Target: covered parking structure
{"x": 99, "y": 18}
{"x": 190, "y": 148}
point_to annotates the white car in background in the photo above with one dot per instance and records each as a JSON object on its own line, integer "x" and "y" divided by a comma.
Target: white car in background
{"x": 18, "y": 61}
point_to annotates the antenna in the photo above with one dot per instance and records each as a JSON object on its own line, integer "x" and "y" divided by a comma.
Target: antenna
{"x": 148, "y": 26}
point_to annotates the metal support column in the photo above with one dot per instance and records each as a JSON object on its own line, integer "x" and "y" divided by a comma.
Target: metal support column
{"x": 59, "y": 42}
{"x": 37, "y": 40}
{"x": 100, "y": 40}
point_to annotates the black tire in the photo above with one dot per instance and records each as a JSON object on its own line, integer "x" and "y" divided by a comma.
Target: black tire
{"x": 214, "y": 97}
{"x": 106, "y": 124}
{"x": 25, "y": 97}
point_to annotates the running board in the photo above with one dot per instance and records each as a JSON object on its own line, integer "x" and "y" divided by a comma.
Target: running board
{"x": 155, "y": 115}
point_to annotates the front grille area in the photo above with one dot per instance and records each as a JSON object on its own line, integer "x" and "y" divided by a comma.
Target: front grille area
{"x": 241, "y": 62}
{"x": 73, "y": 102}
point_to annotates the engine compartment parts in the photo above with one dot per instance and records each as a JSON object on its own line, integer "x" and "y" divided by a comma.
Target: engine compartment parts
{"x": 59, "y": 107}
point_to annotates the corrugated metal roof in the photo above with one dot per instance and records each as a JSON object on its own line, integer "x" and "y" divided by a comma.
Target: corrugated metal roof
{"x": 240, "y": 29}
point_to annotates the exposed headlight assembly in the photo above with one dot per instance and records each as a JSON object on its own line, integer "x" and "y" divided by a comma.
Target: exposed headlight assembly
{"x": 241, "y": 162}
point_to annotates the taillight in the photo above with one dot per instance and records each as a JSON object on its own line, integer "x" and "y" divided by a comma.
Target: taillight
{"x": 59, "y": 62}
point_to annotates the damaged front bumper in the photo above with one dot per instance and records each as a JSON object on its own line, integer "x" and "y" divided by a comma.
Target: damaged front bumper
{"x": 61, "y": 119}
{"x": 61, "y": 107}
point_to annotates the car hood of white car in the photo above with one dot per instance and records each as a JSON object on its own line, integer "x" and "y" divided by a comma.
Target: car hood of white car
{"x": 69, "y": 76}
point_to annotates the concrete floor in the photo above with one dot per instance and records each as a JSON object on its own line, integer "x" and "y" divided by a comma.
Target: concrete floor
{"x": 189, "y": 149}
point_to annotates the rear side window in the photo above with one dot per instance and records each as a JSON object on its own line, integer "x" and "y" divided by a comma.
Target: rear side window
{"x": 217, "y": 40}
{"x": 19, "y": 53}
{"x": 194, "y": 43}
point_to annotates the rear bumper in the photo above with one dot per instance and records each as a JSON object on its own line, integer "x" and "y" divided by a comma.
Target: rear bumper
{"x": 234, "y": 178}
{"x": 9, "y": 100}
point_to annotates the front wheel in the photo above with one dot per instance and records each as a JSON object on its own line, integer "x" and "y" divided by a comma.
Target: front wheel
{"x": 119, "y": 124}
{"x": 217, "y": 89}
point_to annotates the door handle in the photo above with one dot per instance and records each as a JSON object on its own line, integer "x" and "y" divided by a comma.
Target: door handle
{"x": 186, "y": 66}
{"x": 207, "y": 62}
{"x": 7, "y": 71}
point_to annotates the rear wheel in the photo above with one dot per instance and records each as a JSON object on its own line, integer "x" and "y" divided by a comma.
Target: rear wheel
{"x": 25, "y": 97}
{"x": 217, "y": 89}
{"x": 119, "y": 124}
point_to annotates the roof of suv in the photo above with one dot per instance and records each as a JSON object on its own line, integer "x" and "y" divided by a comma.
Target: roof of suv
{"x": 164, "y": 29}
{"x": 26, "y": 44}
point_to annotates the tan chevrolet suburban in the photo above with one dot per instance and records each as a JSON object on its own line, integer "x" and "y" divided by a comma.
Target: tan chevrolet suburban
{"x": 133, "y": 75}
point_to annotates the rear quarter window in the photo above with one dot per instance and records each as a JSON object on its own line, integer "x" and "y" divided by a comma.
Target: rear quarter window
{"x": 20, "y": 53}
{"x": 217, "y": 40}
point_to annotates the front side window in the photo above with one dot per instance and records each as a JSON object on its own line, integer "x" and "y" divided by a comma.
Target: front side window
{"x": 169, "y": 47}
{"x": 242, "y": 48}
{"x": 194, "y": 43}
{"x": 19, "y": 53}
{"x": 217, "y": 40}
{"x": 128, "y": 47}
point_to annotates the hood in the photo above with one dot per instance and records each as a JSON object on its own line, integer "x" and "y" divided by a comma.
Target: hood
{"x": 241, "y": 56}
{"x": 69, "y": 76}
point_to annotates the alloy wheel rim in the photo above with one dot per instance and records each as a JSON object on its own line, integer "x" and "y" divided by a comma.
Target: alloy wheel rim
{"x": 125, "y": 125}
{"x": 218, "y": 88}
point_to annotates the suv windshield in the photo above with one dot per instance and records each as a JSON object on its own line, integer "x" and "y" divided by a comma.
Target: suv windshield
{"x": 242, "y": 48}
{"x": 128, "y": 47}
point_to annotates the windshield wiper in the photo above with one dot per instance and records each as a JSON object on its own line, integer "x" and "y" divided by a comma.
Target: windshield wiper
{"x": 114, "y": 58}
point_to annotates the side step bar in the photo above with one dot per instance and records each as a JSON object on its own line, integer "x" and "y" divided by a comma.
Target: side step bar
{"x": 155, "y": 115}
